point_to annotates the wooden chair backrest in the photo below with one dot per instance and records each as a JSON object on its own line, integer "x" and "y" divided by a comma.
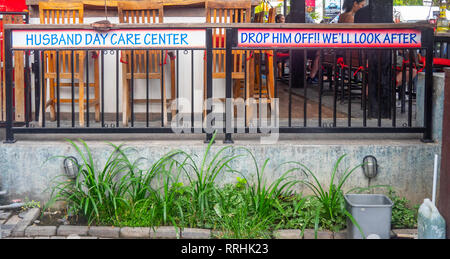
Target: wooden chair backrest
{"x": 226, "y": 12}
{"x": 141, "y": 12}
{"x": 259, "y": 17}
{"x": 272, "y": 14}
{"x": 61, "y": 13}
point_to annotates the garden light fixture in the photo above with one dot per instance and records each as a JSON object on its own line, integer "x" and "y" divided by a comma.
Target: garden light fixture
{"x": 370, "y": 167}
{"x": 71, "y": 167}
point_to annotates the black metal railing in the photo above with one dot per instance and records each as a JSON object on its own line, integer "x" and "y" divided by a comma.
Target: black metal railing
{"x": 357, "y": 91}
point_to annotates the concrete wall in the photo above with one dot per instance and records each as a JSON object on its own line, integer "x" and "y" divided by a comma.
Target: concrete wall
{"x": 407, "y": 165}
{"x": 438, "y": 103}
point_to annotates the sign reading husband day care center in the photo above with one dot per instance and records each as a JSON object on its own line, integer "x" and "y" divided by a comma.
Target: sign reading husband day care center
{"x": 121, "y": 38}
{"x": 318, "y": 38}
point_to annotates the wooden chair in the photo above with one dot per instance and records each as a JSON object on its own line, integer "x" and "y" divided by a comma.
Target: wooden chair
{"x": 68, "y": 13}
{"x": 143, "y": 12}
{"x": 259, "y": 17}
{"x": 228, "y": 12}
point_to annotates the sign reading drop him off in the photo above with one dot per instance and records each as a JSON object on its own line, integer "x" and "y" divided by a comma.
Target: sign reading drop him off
{"x": 326, "y": 38}
{"x": 113, "y": 39}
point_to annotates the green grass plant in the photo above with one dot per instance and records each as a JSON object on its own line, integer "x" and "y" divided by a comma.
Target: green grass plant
{"x": 121, "y": 193}
{"x": 107, "y": 194}
{"x": 202, "y": 175}
{"x": 332, "y": 211}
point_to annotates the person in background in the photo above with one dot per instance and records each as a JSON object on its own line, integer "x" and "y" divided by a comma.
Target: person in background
{"x": 314, "y": 56}
{"x": 280, "y": 18}
{"x": 350, "y": 8}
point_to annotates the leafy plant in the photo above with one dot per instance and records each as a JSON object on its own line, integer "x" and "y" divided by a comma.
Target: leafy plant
{"x": 403, "y": 216}
{"x": 123, "y": 194}
{"x": 251, "y": 209}
{"x": 235, "y": 217}
{"x": 30, "y": 205}
{"x": 263, "y": 197}
{"x": 332, "y": 209}
{"x": 241, "y": 183}
{"x": 92, "y": 193}
{"x": 108, "y": 194}
{"x": 205, "y": 174}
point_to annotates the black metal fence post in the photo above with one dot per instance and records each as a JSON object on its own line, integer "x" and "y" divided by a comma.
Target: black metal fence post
{"x": 37, "y": 84}
{"x": 428, "y": 42}
{"x": 229, "y": 85}
{"x": 209, "y": 56}
{"x": 8, "y": 84}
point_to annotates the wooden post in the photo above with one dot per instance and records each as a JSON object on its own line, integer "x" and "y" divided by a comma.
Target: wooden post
{"x": 19, "y": 86}
{"x": 19, "y": 80}
{"x": 444, "y": 186}
{"x": 7, "y": 19}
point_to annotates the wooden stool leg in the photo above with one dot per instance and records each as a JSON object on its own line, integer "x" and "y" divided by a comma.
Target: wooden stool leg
{"x": 172, "y": 87}
{"x": 97, "y": 90}
{"x": 51, "y": 102}
{"x": 250, "y": 89}
{"x": 125, "y": 96}
{"x": 44, "y": 88}
{"x": 270, "y": 79}
{"x": 164, "y": 100}
{"x": 81, "y": 104}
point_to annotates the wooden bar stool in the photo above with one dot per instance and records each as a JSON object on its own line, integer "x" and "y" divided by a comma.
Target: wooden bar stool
{"x": 268, "y": 88}
{"x": 68, "y": 13}
{"x": 229, "y": 12}
{"x": 144, "y": 12}
{"x": 263, "y": 90}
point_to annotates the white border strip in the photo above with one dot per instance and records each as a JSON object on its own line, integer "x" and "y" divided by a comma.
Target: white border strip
{"x": 113, "y": 39}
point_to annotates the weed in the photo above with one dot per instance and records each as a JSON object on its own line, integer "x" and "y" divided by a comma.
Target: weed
{"x": 403, "y": 215}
